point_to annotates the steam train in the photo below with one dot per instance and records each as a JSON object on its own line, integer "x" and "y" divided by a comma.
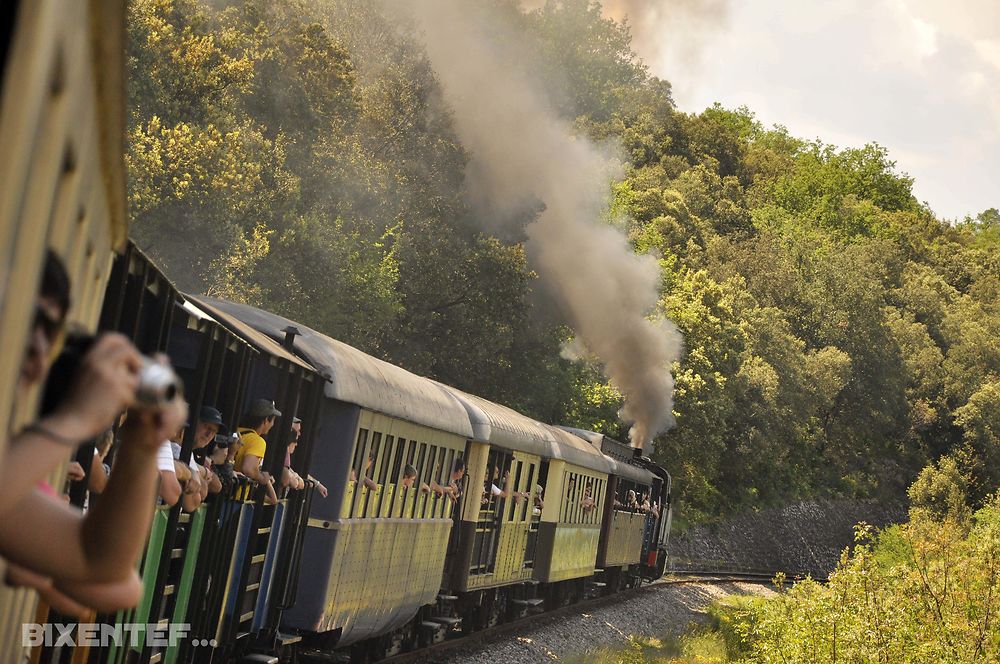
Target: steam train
{"x": 545, "y": 514}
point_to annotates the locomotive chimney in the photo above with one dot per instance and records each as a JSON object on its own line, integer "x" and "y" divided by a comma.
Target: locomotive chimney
{"x": 289, "y": 341}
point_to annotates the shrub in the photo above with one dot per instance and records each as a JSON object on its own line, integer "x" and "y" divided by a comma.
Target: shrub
{"x": 926, "y": 591}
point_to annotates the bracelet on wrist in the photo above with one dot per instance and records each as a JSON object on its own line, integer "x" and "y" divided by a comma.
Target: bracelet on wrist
{"x": 42, "y": 430}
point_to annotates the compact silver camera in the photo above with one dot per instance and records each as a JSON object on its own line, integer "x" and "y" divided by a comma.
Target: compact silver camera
{"x": 158, "y": 385}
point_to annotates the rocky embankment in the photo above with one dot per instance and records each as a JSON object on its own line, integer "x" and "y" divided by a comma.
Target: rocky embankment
{"x": 799, "y": 538}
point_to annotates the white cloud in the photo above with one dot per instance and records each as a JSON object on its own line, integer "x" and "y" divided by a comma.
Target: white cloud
{"x": 921, "y": 77}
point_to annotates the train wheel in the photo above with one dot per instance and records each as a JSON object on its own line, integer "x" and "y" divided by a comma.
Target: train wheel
{"x": 498, "y": 609}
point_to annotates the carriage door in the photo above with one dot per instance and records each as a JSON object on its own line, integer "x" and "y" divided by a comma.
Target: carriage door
{"x": 484, "y": 549}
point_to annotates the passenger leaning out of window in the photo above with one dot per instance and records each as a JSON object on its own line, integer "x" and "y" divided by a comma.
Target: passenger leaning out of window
{"x": 290, "y": 478}
{"x": 209, "y": 424}
{"x": 80, "y": 561}
{"x": 257, "y": 423}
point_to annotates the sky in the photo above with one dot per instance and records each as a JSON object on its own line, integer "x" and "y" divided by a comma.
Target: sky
{"x": 920, "y": 77}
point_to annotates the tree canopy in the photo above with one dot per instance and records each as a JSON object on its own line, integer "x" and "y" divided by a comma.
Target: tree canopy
{"x": 300, "y": 156}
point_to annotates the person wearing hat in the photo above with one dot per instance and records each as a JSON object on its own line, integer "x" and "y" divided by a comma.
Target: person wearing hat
{"x": 209, "y": 424}
{"x": 257, "y": 423}
{"x": 291, "y": 479}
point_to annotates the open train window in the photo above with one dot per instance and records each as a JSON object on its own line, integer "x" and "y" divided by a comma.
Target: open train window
{"x": 449, "y": 466}
{"x": 433, "y": 474}
{"x": 396, "y": 474}
{"x": 382, "y": 473}
{"x": 569, "y": 480}
{"x": 357, "y": 469}
{"x": 421, "y": 461}
{"x": 528, "y": 503}
{"x": 370, "y": 473}
{"x": 515, "y": 486}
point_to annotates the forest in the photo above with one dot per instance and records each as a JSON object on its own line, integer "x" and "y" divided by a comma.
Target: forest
{"x": 838, "y": 336}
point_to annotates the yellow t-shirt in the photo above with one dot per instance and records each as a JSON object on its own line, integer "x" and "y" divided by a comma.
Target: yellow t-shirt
{"x": 252, "y": 444}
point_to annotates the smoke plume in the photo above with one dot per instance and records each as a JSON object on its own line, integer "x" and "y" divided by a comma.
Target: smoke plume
{"x": 670, "y": 36}
{"x": 521, "y": 150}
{"x": 671, "y": 31}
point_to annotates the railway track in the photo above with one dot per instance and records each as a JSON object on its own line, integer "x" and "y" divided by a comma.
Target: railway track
{"x": 490, "y": 634}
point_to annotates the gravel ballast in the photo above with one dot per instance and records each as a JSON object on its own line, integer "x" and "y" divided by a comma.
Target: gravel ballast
{"x": 653, "y": 611}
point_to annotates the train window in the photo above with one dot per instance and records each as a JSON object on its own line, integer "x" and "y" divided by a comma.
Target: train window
{"x": 386, "y": 462}
{"x": 359, "y": 450}
{"x": 418, "y": 499}
{"x": 594, "y": 496}
{"x": 371, "y": 470}
{"x": 439, "y": 462}
{"x": 449, "y": 466}
{"x": 382, "y": 475}
{"x": 407, "y": 496}
{"x": 578, "y": 499}
{"x": 396, "y": 474}
{"x": 357, "y": 469}
{"x": 568, "y": 497}
{"x": 515, "y": 486}
{"x": 511, "y": 487}
{"x": 431, "y": 472}
{"x": 567, "y": 491}
{"x": 528, "y": 502}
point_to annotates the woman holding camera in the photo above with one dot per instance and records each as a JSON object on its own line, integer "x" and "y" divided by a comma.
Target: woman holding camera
{"x": 73, "y": 558}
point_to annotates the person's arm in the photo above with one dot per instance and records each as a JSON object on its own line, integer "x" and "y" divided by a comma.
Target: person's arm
{"x": 78, "y": 599}
{"x": 104, "y": 544}
{"x": 75, "y": 472}
{"x": 97, "y": 478}
{"x": 319, "y": 486}
{"x": 212, "y": 481}
{"x": 203, "y": 481}
{"x": 172, "y": 483}
{"x": 251, "y": 468}
{"x": 170, "y": 489}
{"x": 192, "y": 493}
{"x": 104, "y": 386}
{"x": 372, "y": 486}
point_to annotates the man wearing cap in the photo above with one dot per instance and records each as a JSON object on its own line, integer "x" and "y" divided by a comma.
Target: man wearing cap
{"x": 249, "y": 458}
{"x": 209, "y": 424}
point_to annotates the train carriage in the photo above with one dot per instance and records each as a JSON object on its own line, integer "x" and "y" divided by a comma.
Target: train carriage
{"x": 62, "y": 181}
{"x": 569, "y": 533}
{"x": 374, "y": 549}
{"x": 506, "y": 450}
{"x": 633, "y": 540}
{"x": 262, "y": 568}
